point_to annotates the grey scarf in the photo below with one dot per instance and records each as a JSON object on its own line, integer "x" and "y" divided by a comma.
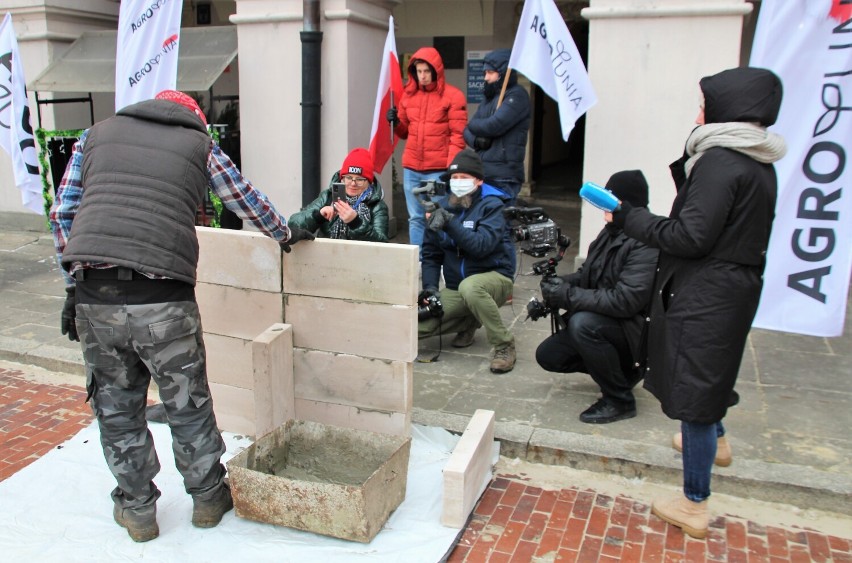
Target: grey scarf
{"x": 747, "y": 138}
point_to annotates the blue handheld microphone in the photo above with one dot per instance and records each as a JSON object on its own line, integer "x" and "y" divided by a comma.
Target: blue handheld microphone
{"x": 599, "y": 196}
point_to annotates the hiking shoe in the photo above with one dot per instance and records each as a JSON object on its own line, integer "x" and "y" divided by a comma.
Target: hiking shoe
{"x": 503, "y": 359}
{"x": 141, "y": 524}
{"x": 604, "y": 412}
{"x": 724, "y": 456}
{"x": 208, "y": 513}
{"x": 691, "y": 517}
{"x": 464, "y": 338}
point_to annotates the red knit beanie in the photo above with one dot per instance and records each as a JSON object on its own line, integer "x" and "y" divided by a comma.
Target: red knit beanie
{"x": 359, "y": 163}
{"x": 184, "y": 100}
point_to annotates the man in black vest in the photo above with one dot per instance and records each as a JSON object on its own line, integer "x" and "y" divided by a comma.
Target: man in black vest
{"x": 124, "y": 226}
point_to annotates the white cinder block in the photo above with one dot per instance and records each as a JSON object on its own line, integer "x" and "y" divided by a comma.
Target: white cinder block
{"x": 238, "y": 312}
{"x": 356, "y": 270}
{"x": 272, "y": 353}
{"x": 353, "y": 380}
{"x": 395, "y": 423}
{"x": 373, "y": 330}
{"x": 234, "y": 408}
{"x": 468, "y": 470}
{"x": 238, "y": 258}
{"x": 229, "y": 361}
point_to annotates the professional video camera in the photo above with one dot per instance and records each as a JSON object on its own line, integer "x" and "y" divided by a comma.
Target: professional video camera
{"x": 531, "y": 227}
{"x": 427, "y": 190}
{"x": 547, "y": 269}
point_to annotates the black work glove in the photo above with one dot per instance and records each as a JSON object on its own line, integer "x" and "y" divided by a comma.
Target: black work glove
{"x": 392, "y": 116}
{"x": 619, "y": 214}
{"x": 69, "y": 314}
{"x": 427, "y": 293}
{"x": 296, "y": 234}
{"x": 439, "y": 219}
{"x": 554, "y": 292}
{"x": 482, "y": 143}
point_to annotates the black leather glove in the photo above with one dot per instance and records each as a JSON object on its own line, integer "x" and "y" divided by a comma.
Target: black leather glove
{"x": 554, "y": 292}
{"x": 69, "y": 314}
{"x": 427, "y": 293}
{"x": 296, "y": 234}
{"x": 482, "y": 143}
{"x": 392, "y": 116}
{"x": 439, "y": 219}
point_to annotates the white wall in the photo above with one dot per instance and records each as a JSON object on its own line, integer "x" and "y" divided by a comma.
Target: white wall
{"x": 645, "y": 61}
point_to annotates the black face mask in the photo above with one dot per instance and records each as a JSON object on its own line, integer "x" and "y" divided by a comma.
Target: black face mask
{"x": 491, "y": 89}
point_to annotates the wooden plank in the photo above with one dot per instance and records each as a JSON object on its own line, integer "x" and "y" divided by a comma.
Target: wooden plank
{"x": 272, "y": 364}
{"x": 238, "y": 312}
{"x": 356, "y": 270}
{"x": 468, "y": 470}
{"x": 344, "y": 416}
{"x": 372, "y": 330}
{"x": 353, "y": 380}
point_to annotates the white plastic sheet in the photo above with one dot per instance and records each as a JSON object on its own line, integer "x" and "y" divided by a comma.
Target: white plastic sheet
{"x": 59, "y": 509}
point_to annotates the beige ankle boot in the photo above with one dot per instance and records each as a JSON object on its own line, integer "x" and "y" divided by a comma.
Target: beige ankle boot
{"x": 724, "y": 457}
{"x": 691, "y": 517}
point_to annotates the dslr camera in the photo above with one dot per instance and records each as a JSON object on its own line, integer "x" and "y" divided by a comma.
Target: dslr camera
{"x": 429, "y": 307}
{"x": 533, "y": 229}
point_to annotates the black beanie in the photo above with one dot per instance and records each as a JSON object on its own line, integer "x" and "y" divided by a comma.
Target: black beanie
{"x": 629, "y": 186}
{"x": 465, "y": 162}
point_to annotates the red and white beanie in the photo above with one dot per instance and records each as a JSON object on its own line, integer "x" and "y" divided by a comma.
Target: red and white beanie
{"x": 184, "y": 100}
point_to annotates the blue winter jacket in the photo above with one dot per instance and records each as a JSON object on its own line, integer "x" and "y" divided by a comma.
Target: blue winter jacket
{"x": 506, "y": 126}
{"x": 475, "y": 241}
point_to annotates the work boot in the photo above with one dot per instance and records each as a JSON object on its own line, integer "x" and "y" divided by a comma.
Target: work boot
{"x": 208, "y": 513}
{"x": 464, "y": 338}
{"x": 141, "y": 524}
{"x": 503, "y": 359}
{"x": 691, "y": 517}
{"x": 724, "y": 457}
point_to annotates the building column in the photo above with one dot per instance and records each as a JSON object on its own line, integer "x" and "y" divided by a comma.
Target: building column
{"x": 645, "y": 61}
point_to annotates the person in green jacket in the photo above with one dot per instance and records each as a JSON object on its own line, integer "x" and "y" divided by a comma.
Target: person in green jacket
{"x": 362, "y": 215}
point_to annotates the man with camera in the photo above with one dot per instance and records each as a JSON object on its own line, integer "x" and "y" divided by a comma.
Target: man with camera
{"x": 468, "y": 240}
{"x": 605, "y": 303}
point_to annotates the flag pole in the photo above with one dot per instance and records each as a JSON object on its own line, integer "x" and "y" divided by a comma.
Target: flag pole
{"x": 503, "y": 89}
{"x": 390, "y": 123}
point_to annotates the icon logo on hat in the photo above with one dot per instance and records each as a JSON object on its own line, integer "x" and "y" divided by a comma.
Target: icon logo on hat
{"x": 356, "y": 170}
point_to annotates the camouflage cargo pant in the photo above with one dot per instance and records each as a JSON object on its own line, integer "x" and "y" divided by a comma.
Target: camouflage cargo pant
{"x": 123, "y": 347}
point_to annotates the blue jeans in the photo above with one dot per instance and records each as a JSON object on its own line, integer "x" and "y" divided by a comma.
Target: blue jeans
{"x": 416, "y": 214}
{"x": 699, "y": 451}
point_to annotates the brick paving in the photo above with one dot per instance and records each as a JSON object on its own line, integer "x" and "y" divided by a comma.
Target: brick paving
{"x": 514, "y": 521}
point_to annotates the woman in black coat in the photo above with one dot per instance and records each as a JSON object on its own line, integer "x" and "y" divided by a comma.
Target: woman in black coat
{"x": 712, "y": 253}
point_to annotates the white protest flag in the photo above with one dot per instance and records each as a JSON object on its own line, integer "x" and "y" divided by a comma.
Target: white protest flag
{"x": 807, "y": 44}
{"x": 382, "y": 139}
{"x": 545, "y": 52}
{"x": 16, "y": 133}
{"x": 146, "y": 57}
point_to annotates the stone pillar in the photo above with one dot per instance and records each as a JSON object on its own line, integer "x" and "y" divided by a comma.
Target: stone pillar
{"x": 354, "y": 34}
{"x": 645, "y": 61}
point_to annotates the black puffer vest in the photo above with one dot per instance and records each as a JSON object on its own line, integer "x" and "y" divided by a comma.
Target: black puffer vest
{"x": 144, "y": 175}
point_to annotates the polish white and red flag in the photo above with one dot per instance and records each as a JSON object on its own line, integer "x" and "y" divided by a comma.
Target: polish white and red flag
{"x": 382, "y": 139}
{"x": 146, "y": 58}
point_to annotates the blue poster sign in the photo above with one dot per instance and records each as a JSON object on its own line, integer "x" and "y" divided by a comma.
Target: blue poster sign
{"x": 475, "y": 76}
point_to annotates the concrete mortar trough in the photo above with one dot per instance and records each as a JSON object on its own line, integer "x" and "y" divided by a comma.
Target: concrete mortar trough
{"x": 334, "y": 481}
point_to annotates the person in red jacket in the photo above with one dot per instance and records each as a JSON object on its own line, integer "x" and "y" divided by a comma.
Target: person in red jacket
{"x": 431, "y": 116}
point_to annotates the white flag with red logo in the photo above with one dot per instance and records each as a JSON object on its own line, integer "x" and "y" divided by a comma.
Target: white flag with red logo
{"x": 545, "y": 52}
{"x": 16, "y": 133}
{"x": 809, "y": 259}
{"x": 382, "y": 139}
{"x": 146, "y": 58}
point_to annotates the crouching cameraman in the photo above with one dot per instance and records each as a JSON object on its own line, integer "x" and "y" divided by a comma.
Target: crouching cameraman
{"x": 470, "y": 241}
{"x": 605, "y": 302}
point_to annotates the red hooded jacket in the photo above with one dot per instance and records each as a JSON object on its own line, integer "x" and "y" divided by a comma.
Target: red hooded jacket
{"x": 431, "y": 119}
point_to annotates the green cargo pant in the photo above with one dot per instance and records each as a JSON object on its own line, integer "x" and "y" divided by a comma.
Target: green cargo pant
{"x": 476, "y": 303}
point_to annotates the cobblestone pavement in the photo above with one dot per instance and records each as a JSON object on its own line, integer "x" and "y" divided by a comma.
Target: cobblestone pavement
{"x": 517, "y": 518}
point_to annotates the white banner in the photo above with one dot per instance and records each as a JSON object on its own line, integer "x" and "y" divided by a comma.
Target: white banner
{"x": 808, "y": 43}
{"x": 16, "y": 133}
{"x": 545, "y": 52}
{"x": 146, "y": 57}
